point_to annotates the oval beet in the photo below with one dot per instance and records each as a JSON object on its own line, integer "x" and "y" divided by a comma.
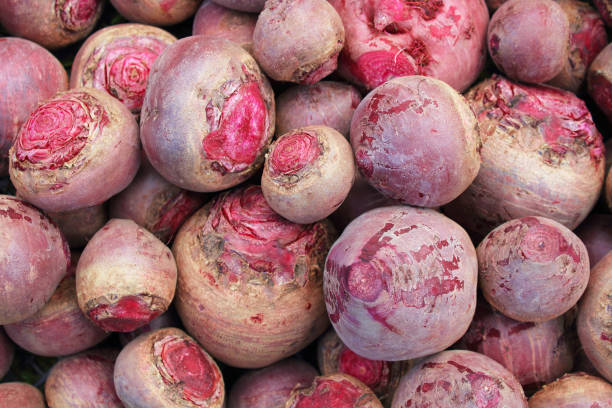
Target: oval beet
{"x": 79, "y": 226}
{"x": 7, "y": 352}
{"x": 214, "y": 138}
{"x": 335, "y": 390}
{"x": 117, "y": 59}
{"x": 20, "y": 395}
{"x": 249, "y": 285}
{"x": 167, "y": 368}
{"x": 252, "y": 6}
{"x": 156, "y": 12}
{"x": 71, "y": 143}
{"x": 596, "y": 235}
{"x": 576, "y": 390}
{"x": 217, "y": 21}
{"x": 400, "y": 283}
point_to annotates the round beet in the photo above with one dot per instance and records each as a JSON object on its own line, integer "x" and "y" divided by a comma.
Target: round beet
{"x": 167, "y": 319}
{"x": 335, "y": 390}
{"x": 34, "y": 259}
{"x": 214, "y": 138}
{"x": 416, "y": 141}
{"x": 541, "y": 155}
{"x": 252, "y": 6}
{"x": 596, "y": 235}
{"x": 324, "y": 103}
{"x": 532, "y": 269}
{"x": 381, "y": 376}
{"x": 156, "y": 12}
{"x": 529, "y": 39}
{"x": 388, "y": 38}
{"x": 599, "y": 80}
{"x": 84, "y": 380}
{"x": 576, "y": 390}
{"x": 7, "y": 352}
{"x": 217, "y": 21}
{"x": 50, "y": 23}
{"x": 117, "y": 59}
{"x": 308, "y": 173}
{"x": 20, "y": 395}
{"x": 400, "y": 283}
{"x": 125, "y": 278}
{"x": 595, "y": 318}
{"x": 250, "y": 281}
{"x": 270, "y": 387}
{"x": 458, "y": 378}
{"x": 155, "y": 204}
{"x": 29, "y": 74}
{"x": 79, "y": 226}
{"x": 289, "y": 47}
{"x": 167, "y": 368}
{"x": 69, "y": 145}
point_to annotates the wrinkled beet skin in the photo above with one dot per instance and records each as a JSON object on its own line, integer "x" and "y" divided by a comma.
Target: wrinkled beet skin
{"x": 334, "y": 391}
{"x": 82, "y": 380}
{"x": 156, "y": 12}
{"x": 594, "y": 319}
{"x": 79, "y": 226}
{"x": 265, "y": 307}
{"x": 217, "y": 21}
{"x": 29, "y": 75}
{"x": 390, "y": 271}
{"x": 206, "y": 141}
{"x": 167, "y": 368}
{"x": 541, "y": 155}
{"x": 20, "y": 395}
{"x": 251, "y": 6}
{"x": 387, "y": 133}
{"x": 32, "y": 269}
{"x": 117, "y": 59}
{"x": 458, "y": 378}
{"x": 596, "y": 235}
{"x": 50, "y": 23}
{"x": 575, "y": 390}
{"x": 270, "y": 387}
{"x": 390, "y": 38}
{"x": 599, "y": 81}
{"x": 7, "y": 351}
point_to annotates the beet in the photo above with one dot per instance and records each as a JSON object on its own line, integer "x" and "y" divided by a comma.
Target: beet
{"x": 331, "y": 391}
{"x": 252, "y": 6}
{"x": 596, "y": 235}
{"x": 117, "y": 59}
{"x": 167, "y": 319}
{"x": 217, "y": 21}
{"x": 71, "y": 143}
{"x": 215, "y": 138}
{"x": 79, "y": 226}
{"x": 400, "y": 283}
{"x": 388, "y": 132}
{"x": 156, "y": 12}
{"x": 20, "y": 395}
{"x": 167, "y": 368}
{"x": 7, "y": 352}
{"x": 605, "y": 9}
{"x": 249, "y": 285}
{"x": 599, "y": 80}
{"x": 576, "y": 390}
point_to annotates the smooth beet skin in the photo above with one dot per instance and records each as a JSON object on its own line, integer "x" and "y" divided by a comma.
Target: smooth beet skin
{"x": 79, "y": 226}
{"x": 250, "y": 281}
{"x": 541, "y": 156}
{"x": 270, "y": 387}
{"x": 214, "y": 138}
{"x": 576, "y": 390}
{"x": 50, "y": 23}
{"x": 458, "y": 378}
{"x": 599, "y": 81}
{"x": 156, "y": 12}
{"x": 400, "y": 283}
{"x": 117, "y": 60}
{"x": 83, "y": 380}
{"x": 7, "y": 352}
{"x": 69, "y": 145}
{"x": 167, "y": 368}
{"x": 416, "y": 141}
{"x": 251, "y": 6}
{"x": 29, "y": 75}
{"x": 386, "y": 39}
{"x": 34, "y": 259}
{"x": 20, "y": 395}
{"x": 334, "y": 391}
{"x": 596, "y": 235}
{"x": 217, "y": 21}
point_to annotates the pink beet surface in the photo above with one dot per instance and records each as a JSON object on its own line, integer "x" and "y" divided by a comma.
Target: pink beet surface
{"x": 575, "y": 390}
{"x": 20, "y": 395}
{"x": 596, "y": 234}
{"x": 213, "y": 20}
{"x": 333, "y": 391}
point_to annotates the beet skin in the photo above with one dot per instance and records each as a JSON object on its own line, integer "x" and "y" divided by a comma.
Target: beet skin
{"x": 7, "y": 352}
{"x": 251, "y": 6}
{"x": 156, "y": 12}
{"x": 331, "y": 391}
{"x": 79, "y": 226}
{"x": 576, "y": 390}
{"x": 596, "y": 235}
{"x": 217, "y": 21}
{"x": 599, "y": 81}
{"x": 20, "y": 395}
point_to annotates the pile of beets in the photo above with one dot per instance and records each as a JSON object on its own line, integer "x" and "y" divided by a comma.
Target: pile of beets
{"x": 305, "y": 204}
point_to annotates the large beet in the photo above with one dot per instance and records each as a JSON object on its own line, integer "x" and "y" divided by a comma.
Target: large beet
{"x": 576, "y": 390}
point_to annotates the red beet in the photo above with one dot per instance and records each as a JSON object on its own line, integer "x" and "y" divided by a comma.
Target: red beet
{"x": 250, "y": 281}
{"x": 69, "y": 145}
{"x": 459, "y": 378}
{"x": 252, "y": 6}
{"x": 599, "y": 80}
{"x": 334, "y": 391}
{"x": 605, "y": 9}
{"x": 167, "y": 319}
{"x": 117, "y": 59}
{"x": 29, "y": 74}
{"x": 495, "y": 4}
{"x": 215, "y": 138}
{"x": 400, "y": 283}
{"x": 20, "y": 395}
{"x": 79, "y": 226}
{"x": 7, "y": 351}
{"x": 84, "y": 380}
{"x": 576, "y": 390}
{"x": 541, "y": 155}
{"x": 388, "y": 131}
{"x": 390, "y": 38}
{"x": 167, "y": 368}
{"x": 596, "y": 234}
{"x": 270, "y": 387}
{"x": 217, "y": 21}
{"x": 156, "y": 12}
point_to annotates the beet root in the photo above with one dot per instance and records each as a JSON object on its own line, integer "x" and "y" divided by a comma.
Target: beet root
{"x": 335, "y": 390}
{"x": 599, "y": 81}
{"x": 7, "y": 352}
{"x": 576, "y": 390}
{"x": 156, "y": 12}
{"x": 390, "y": 272}
{"x": 217, "y": 21}
{"x": 79, "y": 226}
{"x": 20, "y": 395}
{"x": 596, "y": 235}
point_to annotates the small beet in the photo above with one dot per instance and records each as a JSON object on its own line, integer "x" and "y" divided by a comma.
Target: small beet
{"x": 117, "y": 59}
{"x": 576, "y": 390}
{"x": 215, "y": 138}
{"x": 20, "y": 395}
{"x": 596, "y": 235}
{"x": 459, "y": 378}
{"x": 167, "y": 319}
{"x": 217, "y": 21}
{"x": 270, "y": 387}
{"x": 71, "y": 143}
{"x": 156, "y": 12}
{"x": 84, "y": 380}
{"x": 416, "y": 141}
{"x": 331, "y": 391}
{"x": 79, "y": 226}
{"x": 308, "y": 173}
{"x": 167, "y": 368}
{"x": 400, "y": 283}
{"x": 251, "y": 6}
{"x": 50, "y": 23}
{"x": 599, "y": 80}
{"x": 7, "y": 352}
{"x": 125, "y": 277}
{"x": 250, "y": 281}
